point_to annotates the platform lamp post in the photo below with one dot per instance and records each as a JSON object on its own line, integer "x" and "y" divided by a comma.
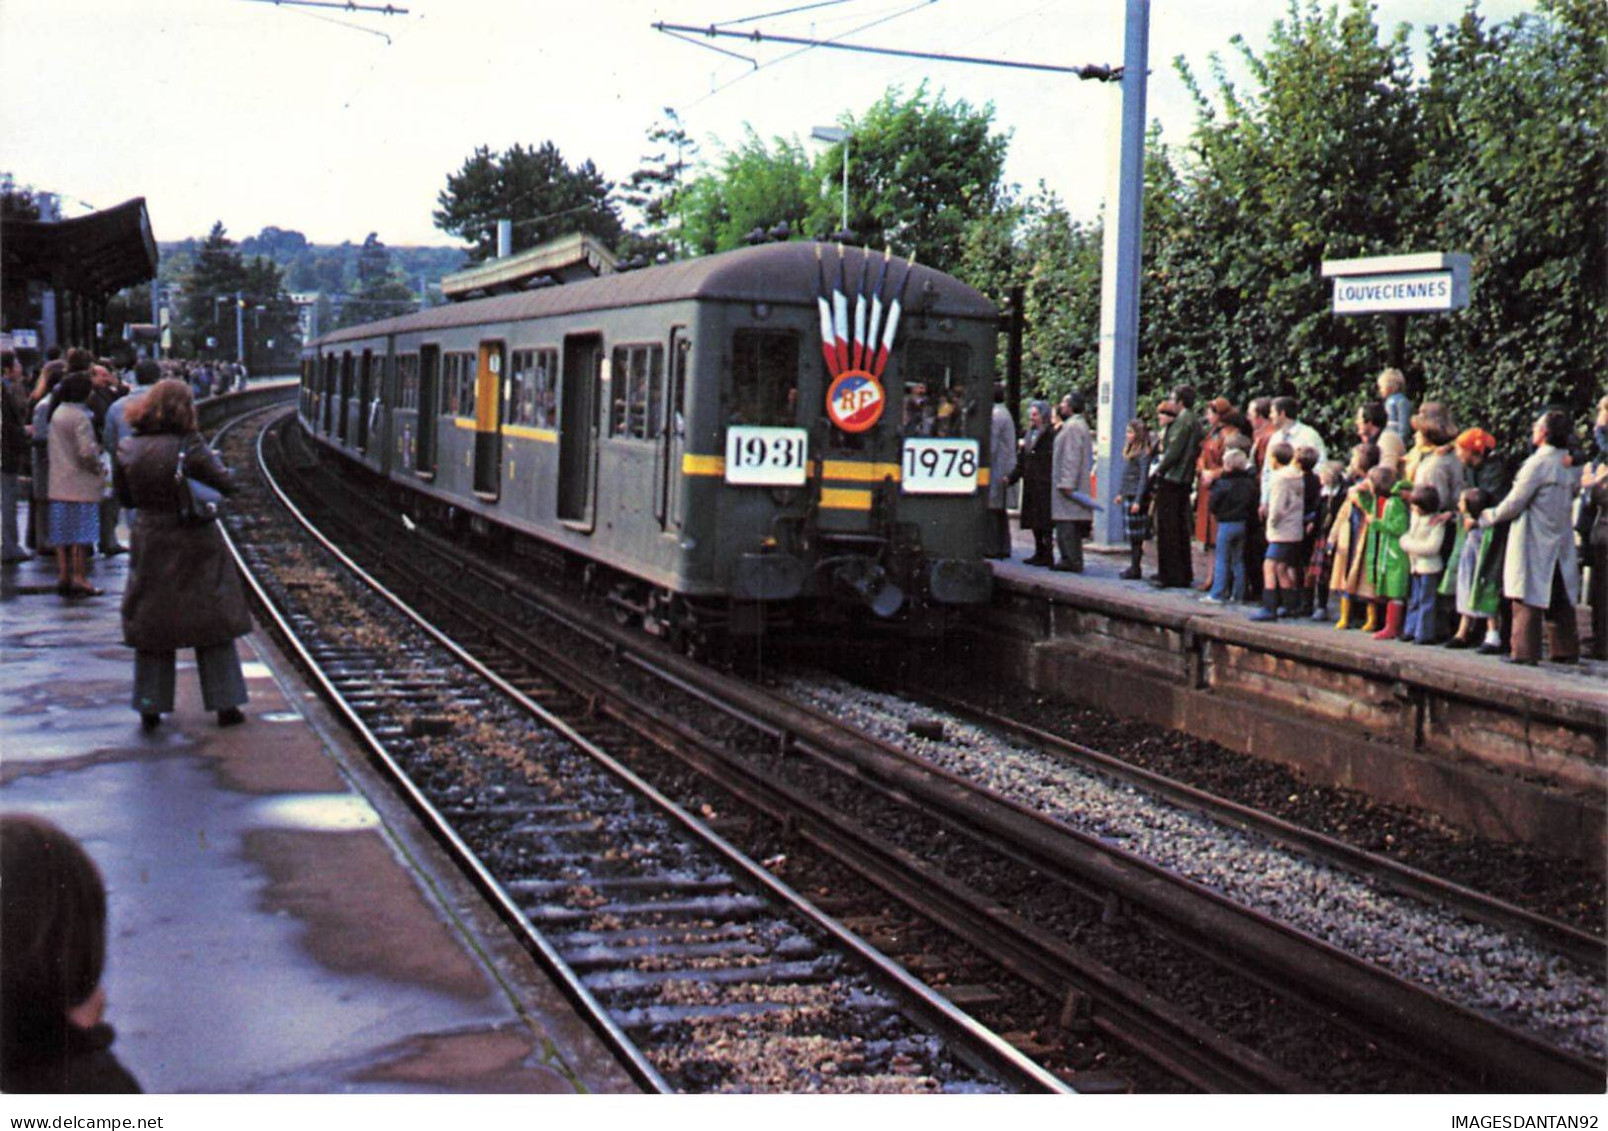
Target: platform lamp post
{"x": 834, "y": 135}
{"x": 1120, "y": 272}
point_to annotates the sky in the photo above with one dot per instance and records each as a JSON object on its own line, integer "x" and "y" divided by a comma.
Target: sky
{"x": 256, "y": 114}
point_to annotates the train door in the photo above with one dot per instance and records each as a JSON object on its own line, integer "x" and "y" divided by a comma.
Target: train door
{"x": 327, "y": 405}
{"x": 365, "y": 394}
{"x": 672, "y": 437}
{"x": 424, "y": 452}
{"x": 578, "y": 426}
{"x": 343, "y": 409}
{"x": 489, "y": 420}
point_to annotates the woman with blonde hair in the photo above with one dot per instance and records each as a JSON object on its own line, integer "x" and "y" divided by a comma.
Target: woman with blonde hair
{"x": 184, "y": 589}
{"x": 1398, "y": 409}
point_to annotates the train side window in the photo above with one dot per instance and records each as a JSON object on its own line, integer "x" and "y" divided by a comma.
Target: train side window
{"x": 449, "y": 384}
{"x": 407, "y": 372}
{"x": 531, "y": 390}
{"x": 678, "y": 389}
{"x": 764, "y": 370}
{"x": 544, "y": 390}
{"x": 468, "y": 374}
{"x": 638, "y": 390}
{"x": 935, "y": 395}
{"x": 458, "y": 384}
{"x": 516, "y": 388}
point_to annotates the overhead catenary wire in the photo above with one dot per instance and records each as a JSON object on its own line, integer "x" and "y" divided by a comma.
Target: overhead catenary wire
{"x": 791, "y": 54}
{"x": 342, "y": 5}
{"x": 782, "y": 12}
{"x": 1102, "y": 72}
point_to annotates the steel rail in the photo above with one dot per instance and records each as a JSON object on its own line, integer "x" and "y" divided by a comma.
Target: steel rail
{"x": 1126, "y": 1011}
{"x": 570, "y": 985}
{"x": 1121, "y": 1008}
{"x": 1581, "y": 946}
{"x": 967, "y": 1034}
{"x": 1467, "y": 1044}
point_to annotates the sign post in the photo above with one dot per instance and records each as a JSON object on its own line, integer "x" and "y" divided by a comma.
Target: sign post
{"x": 1399, "y": 284}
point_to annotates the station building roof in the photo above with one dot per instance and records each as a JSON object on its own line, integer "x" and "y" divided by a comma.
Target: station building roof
{"x": 95, "y": 255}
{"x": 778, "y": 273}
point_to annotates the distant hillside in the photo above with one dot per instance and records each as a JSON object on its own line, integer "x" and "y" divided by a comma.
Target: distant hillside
{"x": 331, "y": 268}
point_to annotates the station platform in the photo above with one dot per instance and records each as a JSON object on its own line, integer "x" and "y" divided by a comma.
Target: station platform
{"x": 1514, "y": 753}
{"x": 279, "y": 921}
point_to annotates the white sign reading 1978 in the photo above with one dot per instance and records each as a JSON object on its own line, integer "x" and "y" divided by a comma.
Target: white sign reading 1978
{"x": 766, "y": 457}
{"x": 940, "y": 467}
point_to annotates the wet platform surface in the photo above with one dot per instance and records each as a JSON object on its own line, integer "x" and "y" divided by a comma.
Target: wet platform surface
{"x": 279, "y": 922}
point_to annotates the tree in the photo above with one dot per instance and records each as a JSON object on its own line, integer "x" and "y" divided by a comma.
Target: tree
{"x": 754, "y": 186}
{"x": 1513, "y": 171}
{"x": 654, "y": 191}
{"x": 271, "y": 324}
{"x": 1306, "y": 164}
{"x": 920, "y": 170}
{"x": 1333, "y": 150}
{"x": 18, "y": 202}
{"x": 380, "y": 292}
{"x": 534, "y": 188}
{"x": 215, "y": 276}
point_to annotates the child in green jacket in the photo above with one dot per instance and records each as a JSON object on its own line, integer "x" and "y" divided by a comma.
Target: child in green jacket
{"x": 1383, "y": 558}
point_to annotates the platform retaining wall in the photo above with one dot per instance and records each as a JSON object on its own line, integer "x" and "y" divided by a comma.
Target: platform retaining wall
{"x": 1507, "y": 760}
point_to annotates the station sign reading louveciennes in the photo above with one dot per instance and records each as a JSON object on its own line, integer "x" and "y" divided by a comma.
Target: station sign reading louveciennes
{"x": 1399, "y": 284}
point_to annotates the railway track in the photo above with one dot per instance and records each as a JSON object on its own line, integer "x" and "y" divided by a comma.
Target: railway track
{"x": 701, "y": 970}
{"x": 1469, "y": 1050}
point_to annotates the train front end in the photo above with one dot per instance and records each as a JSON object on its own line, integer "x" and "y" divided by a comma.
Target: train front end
{"x": 855, "y": 464}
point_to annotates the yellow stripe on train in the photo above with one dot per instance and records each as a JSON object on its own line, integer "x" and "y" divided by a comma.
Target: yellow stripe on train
{"x": 838, "y": 498}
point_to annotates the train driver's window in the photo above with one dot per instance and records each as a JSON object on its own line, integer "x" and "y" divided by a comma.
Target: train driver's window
{"x": 936, "y": 401}
{"x": 764, "y": 371}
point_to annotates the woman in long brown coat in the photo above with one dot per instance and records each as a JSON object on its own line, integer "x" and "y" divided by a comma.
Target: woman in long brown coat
{"x": 184, "y": 590}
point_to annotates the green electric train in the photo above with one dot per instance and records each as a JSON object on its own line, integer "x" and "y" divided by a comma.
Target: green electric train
{"x": 786, "y": 433}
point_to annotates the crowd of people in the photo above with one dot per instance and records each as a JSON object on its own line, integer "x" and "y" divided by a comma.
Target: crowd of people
{"x": 81, "y": 443}
{"x": 1423, "y": 532}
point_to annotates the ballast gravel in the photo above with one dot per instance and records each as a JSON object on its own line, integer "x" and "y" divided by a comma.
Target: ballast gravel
{"x": 1497, "y": 973}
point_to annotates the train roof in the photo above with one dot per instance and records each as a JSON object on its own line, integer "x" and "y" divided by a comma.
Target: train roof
{"x": 779, "y": 273}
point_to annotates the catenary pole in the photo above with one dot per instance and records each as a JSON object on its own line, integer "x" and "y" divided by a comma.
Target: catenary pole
{"x": 1119, "y": 275}
{"x": 240, "y": 329}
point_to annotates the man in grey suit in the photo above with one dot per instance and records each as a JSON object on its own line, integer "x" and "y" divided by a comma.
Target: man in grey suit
{"x": 1074, "y": 455}
{"x": 1002, "y": 462}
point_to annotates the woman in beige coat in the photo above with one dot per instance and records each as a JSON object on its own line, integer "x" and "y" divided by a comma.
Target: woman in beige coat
{"x": 1541, "y": 573}
{"x": 76, "y": 484}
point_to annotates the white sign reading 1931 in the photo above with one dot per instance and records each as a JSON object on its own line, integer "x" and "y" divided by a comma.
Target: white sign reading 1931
{"x": 766, "y": 457}
{"x": 940, "y": 467}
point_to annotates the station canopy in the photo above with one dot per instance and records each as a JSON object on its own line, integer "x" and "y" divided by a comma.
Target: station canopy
{"x": 95, "y": 255}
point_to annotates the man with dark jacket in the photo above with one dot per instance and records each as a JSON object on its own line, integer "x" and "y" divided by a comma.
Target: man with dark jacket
{"x": 1180, "y": 445}
{"x": 107, "y": 392}
{"x": 14, "y": 455}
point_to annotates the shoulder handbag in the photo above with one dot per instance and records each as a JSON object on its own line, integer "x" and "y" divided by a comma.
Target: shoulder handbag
{"x": 194, "y": 506}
